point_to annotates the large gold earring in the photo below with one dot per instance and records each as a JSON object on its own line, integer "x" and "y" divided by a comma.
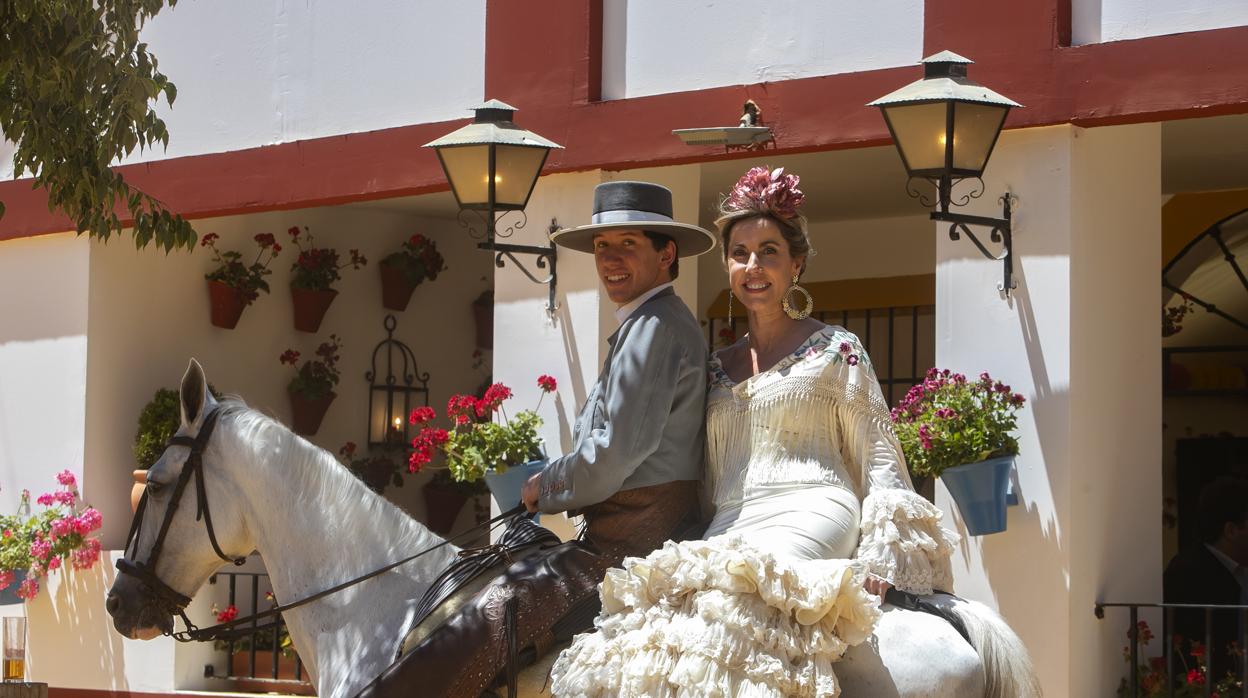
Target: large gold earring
{"x": 788, "y": 307}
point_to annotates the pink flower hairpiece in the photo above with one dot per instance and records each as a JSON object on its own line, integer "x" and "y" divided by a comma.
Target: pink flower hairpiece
{"x": 766, "y": 191}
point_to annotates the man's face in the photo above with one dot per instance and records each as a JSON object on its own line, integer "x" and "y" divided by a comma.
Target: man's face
{"x": 628, "y": 265}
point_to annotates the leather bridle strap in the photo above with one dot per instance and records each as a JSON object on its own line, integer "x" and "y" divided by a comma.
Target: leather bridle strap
{"x": 171, "y": 599}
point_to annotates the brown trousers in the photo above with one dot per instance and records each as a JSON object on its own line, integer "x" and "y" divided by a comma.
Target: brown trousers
{"x": 464, "y": 655}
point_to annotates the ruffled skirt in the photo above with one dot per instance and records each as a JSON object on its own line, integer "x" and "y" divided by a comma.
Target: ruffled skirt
{"x": 719, "y": 618}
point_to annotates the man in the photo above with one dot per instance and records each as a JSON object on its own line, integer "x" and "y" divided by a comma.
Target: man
{"x": 1213, "y": 572}
{"x": 632, "y": 471}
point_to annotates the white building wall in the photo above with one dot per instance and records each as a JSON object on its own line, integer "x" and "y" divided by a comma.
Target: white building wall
{"x": 1079, "y": 339}
{"x": 1095, "y": 21}
{"x": 43, "y": 362}
{"x": 655, "y": 46}
{"x": 251, "y": 73}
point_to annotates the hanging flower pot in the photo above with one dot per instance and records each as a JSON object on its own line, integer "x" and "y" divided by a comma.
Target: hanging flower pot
{"x": 227, "y": 304}
{"x": 980, "y": 490}
{"x": 483, "y": 315}
{"x": 310, "y": 307}
{"x": 442, "y": 504}
{"x": 306, "y": 414}
{"x": 396, "y": 290}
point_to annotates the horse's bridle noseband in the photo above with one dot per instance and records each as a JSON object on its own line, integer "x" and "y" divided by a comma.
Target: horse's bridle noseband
{"x": 169, "y": 599}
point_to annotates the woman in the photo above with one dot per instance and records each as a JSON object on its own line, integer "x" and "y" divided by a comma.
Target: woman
{"x": 814, "y": 513}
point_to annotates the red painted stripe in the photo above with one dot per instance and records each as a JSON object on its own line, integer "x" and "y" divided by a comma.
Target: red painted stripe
{"x": 541, "y": 60}
{"x": 57, "y": 692}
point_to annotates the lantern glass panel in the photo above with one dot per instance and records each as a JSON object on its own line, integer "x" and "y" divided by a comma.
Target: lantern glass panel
{"x": 516, "y": 168}
{"x": 388, "y": 421}
{"x": 975, "y": 129}
{"x": 919, "y": 130}
{"x": 467, "y": 167}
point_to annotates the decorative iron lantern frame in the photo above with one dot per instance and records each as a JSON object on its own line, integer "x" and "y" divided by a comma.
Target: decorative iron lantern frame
{"x": 392, "y": 397}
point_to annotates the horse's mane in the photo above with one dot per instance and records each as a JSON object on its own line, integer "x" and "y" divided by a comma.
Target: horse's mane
{"x": 339, "y": 495}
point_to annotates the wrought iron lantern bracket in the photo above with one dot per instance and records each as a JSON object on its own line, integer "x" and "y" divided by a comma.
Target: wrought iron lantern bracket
{"x": 546, "y": 259}
{"x": 1000, "y": 232}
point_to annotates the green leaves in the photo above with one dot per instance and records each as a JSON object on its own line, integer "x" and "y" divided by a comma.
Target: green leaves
{"x": 76, "y": 95}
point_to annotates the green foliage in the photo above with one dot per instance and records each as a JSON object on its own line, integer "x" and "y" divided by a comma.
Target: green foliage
{"x": 160, "y": 418}
{"x": 317, "y": 268}
{"x": 317, "y": 377}
{"x": 492, "y": 447}
{"x": 947, "y": 421}
{"x": 77, "y": 90}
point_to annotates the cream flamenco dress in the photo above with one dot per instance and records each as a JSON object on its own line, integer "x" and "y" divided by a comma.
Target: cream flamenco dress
{"x": 810, "y": 494}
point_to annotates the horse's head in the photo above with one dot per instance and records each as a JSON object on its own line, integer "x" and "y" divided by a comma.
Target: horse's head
{"x": 174, "y": 551}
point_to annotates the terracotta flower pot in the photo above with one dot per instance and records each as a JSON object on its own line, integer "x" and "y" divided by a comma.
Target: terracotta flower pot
{"x": 483, "y": 314}
{"x": 396, "y": 290}
{"x": 243, "y": 683}
{"x": 136, "y": 490}
{"x": 442, "y": 505}
{"x": 227, "y": 304}
{"x": 310, "y": 307}
{"x": 306, "y": 415}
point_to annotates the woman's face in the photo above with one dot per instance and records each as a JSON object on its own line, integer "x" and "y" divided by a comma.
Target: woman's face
{"x": 760, "y": 268}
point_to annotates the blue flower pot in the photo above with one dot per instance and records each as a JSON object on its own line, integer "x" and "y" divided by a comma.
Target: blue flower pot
{"x": 980, "y": 490}
{"x": 506, "y": 486}
{"x": 8, "y": 595}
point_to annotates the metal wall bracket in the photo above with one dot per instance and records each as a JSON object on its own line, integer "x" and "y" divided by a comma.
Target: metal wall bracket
{"x": 1000, "y": 232}
{"x": 547, "y": 258}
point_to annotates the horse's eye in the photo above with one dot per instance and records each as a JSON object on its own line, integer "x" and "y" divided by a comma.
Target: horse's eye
{"x": 154, "y": 488}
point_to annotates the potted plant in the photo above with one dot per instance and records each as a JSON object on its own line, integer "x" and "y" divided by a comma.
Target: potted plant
{"x": 962, "y": 432}
{"x": 381, "y": 468}
{"x": 312, "y": 389}
{"x": 313, "y": 275}
{"x": 266, "y": 641}
{"x": 483, "y": 316}
{"x": 445, "y": 496}
{"x": 158, "y": 420}
{"x": 31, "y": 546}
{"x": 483, "y": 442}
{"x": 232, "y": 286}
{"x": 403, "y": 271}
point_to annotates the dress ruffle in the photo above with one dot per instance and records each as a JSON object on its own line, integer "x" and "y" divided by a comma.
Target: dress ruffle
{"x": 719, "y": 618}
{"x": 903, "y": 541}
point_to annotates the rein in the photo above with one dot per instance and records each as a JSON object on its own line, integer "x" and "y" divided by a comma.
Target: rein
{"x": 173, "y": 601}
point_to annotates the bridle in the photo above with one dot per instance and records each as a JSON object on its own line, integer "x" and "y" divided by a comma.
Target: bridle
{"x": 175, "y": 603}
{"x": 169, "y": 599}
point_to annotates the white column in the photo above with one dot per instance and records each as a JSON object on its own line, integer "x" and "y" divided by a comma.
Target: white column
{"x": 1080, "y": 339}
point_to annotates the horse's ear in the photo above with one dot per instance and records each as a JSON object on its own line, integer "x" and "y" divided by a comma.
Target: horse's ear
{"x": 193, "y": 392}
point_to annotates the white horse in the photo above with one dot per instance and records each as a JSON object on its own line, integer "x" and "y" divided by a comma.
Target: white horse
{"x": 316, "y": 525}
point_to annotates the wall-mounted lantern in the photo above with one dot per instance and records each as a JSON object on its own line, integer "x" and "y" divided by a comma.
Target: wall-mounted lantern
{"x": 493, "y": 165}
{"x": 393, "y": 395}
{"x": 945, "y": 127}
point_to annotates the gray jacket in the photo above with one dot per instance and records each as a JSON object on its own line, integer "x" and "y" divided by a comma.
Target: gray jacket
{"x": 644, "y": 423}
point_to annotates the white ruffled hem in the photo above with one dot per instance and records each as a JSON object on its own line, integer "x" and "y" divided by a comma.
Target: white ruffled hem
{"x": 719, "y": 618}
{"x": 903, "y": 541}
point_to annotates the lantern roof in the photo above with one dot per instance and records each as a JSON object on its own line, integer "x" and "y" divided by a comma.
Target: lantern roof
{"x": 492, "y": 124}
{"x": 944, "y": 79}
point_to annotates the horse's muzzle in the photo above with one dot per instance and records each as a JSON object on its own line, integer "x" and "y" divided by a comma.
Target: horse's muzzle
{"x": 136, "y": 612}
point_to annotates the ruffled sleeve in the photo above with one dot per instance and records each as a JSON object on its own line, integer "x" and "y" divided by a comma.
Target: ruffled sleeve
{"x": 902, "y": 540}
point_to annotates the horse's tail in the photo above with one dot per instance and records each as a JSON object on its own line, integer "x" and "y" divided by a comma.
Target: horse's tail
{"x": 1008, "y": 672}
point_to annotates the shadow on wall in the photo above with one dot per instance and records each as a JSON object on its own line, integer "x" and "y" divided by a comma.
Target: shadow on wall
{"x": 70, "y": 636}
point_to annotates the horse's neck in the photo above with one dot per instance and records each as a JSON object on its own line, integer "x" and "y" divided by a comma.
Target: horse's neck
{"x": 316, "y": 526}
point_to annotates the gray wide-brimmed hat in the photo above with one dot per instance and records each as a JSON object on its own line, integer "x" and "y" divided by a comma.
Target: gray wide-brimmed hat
{"x": 636, "y": 206}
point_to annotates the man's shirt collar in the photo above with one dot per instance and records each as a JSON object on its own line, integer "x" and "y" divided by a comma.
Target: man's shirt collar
{"x": 624, "y": 311}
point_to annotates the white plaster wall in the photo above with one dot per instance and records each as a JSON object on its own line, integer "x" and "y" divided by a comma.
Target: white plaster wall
{"x": 43, "y": 362}
{"x": 150, "y": 315}
{"x": 1079, "y": 339}
{"x": 654, "y": 46}
{"x": 258, "y": 72}
{"x": 1118, "y": 20}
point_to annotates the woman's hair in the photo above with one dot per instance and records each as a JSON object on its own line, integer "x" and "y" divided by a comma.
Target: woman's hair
{"x": 771, "y": 194}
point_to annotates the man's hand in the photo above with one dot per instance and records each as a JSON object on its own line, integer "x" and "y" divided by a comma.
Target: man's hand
{"x": 877, "y": 586}
{"x": 531, "y": 491}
